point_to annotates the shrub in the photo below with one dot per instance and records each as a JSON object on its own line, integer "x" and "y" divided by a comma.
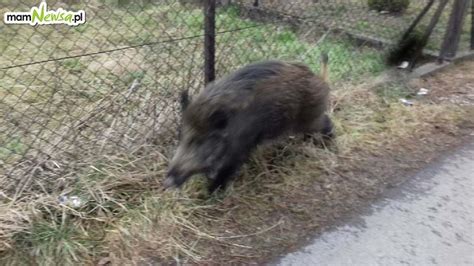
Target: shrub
{"x": 389, "y": 5}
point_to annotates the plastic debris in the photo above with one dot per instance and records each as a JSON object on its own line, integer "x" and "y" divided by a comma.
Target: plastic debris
{"x": 407, "y": 102}
{"x": 422, "y": 92}
{"x": 404, "y": 65}
{"x": 71, "y": 201}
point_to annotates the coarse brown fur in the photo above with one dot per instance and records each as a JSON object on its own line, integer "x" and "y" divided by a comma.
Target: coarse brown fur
{"x": 231, "y": 116}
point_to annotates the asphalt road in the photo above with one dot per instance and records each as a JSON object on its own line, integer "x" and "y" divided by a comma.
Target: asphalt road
{"x": 427, "y": 221}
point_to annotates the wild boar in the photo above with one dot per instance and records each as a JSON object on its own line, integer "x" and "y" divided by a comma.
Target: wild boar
{"x": 232, "y": 115}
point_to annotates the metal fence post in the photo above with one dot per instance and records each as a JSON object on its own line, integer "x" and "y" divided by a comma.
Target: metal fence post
{"x": 429, "y": 30}
{"x": 453, "y": 31}
{"x": 472, "y": 25}
{"x": 209, "y": 40}
{"x": 418, "y": 19}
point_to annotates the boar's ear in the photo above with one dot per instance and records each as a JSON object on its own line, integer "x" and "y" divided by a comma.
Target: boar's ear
{"x": 218, "y": 119}
{"x": 184, "y": 99}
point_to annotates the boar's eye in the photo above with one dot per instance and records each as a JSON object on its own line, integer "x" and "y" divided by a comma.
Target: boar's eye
{"x": 218, "y": 119}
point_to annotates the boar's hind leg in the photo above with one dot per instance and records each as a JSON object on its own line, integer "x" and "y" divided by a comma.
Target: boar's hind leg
{"x": 322, "y": 125}
{"x": 327, "y": 129}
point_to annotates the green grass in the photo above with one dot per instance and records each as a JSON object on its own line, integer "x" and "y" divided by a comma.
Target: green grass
{"x": 74, "y": 66}
{"x": 393, "y": 92}
{"x": 346, "y": 61}
{"x": 59, "y": 244}
{"x": 264, "y": 41}
{"x": 355, "y": 17}
{"x": 12, "y": 148}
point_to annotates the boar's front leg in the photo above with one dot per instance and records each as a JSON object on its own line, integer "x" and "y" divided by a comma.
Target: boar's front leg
{"x": 222, "y": 176}
{"x": 235, "y": 160}
{"x": 226, "y": 172}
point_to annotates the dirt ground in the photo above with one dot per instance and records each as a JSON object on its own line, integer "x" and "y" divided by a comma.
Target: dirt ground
{"x": 454, "y": 85}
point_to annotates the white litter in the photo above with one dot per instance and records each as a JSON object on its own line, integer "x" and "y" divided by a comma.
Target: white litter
{"x": 422, "y": 92}
{"x": 407, "y": 102}
{"x": 71, "y": 201}
{"x": 404, "y": 65}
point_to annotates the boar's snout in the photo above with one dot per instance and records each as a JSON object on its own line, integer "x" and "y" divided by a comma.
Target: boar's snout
{"x": 196, "y": 154}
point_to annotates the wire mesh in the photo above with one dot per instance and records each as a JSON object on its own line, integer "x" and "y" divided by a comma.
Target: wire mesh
{"x": 71, "y": 96}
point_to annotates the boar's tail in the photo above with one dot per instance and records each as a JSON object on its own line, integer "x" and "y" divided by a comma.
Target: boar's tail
{"x": 324, "y": 66}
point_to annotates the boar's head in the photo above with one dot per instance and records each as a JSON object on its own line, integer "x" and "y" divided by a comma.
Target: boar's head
{"x": 210, "y": 140}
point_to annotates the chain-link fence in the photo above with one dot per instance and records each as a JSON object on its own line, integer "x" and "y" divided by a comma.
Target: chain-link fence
{"x": 72, "y": 98}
